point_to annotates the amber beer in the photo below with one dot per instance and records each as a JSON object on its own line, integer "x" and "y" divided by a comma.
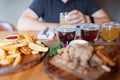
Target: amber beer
{"x": 63, "y": 18}
{"x": 110, "y": 31}
{"x": 89, "y": 32}
{"x": 66, "y": 33}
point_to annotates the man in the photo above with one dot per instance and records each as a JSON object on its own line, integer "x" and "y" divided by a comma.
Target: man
{"x": 79, "y": 11}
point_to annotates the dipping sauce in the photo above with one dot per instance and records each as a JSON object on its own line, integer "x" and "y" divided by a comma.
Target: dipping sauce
{"x": 12, "y": 37}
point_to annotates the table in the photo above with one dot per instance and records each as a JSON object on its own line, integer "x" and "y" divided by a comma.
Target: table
{"x": 35, "y": 73}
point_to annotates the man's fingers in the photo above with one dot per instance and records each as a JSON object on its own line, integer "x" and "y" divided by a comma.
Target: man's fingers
{"x": 73, "y": 12}
{"x": 75, "y": 21}
{"x": 75, "y": 17}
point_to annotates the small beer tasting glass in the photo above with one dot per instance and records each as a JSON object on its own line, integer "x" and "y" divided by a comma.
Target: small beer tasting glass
{"x": 63, "y": 18}
{"x": 66, "y": 33}
{"x": 89, "y": 31}
{"x": 110, "y": 31}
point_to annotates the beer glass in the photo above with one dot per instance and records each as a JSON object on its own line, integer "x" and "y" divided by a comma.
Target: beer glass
{"x": 63, "y": 18}
{"x": 110, "y": 31}
{"x": 89, "y": 31}
{"x": 66, "y": 33}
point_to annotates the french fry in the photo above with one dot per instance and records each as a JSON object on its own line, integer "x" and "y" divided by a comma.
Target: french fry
{"x": 6, "y": 42}
{"x": 35, "y": 52}
{"x": 102, "y": 54}
{"x": 99, "y": 47}
{"x": 106, "y": 68}
{"x": 36, "y": 47}
{"x": 21, "y": 37}
{"x": 6, "y": 61}
{"x": 11, "y": 50}
{"x": 25, "y": 50}
{"x": 15, "y": 45}
{"x": 13, "y": 56}
{"x": 17, "y": 60}
{"x": 20, "y": 44}
{"x": 2, "y": 54}
{"x": 7, "y": 48}
{"x": 28, "y": 38}
{"x": 38, "y": 42}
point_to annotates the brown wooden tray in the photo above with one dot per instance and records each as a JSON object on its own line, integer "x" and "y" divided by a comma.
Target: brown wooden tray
{"x": 57, "y": 73}
{"x": 28, "y": 61}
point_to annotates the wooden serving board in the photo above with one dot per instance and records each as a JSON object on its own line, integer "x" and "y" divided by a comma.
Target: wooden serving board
{"x": 28, "y": 61}
{"x": 56, "y": 72}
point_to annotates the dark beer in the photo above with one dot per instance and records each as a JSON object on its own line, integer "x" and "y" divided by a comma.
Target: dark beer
{"x": 66, "y": 37}
{"x": 89, "y": 32}
{"x": 66, "y": 33}
{"x": 89, "y": 35}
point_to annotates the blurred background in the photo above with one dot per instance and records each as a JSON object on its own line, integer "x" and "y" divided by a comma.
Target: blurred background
{"x": 112, "y": 7}
{"x": 10, "y": 10}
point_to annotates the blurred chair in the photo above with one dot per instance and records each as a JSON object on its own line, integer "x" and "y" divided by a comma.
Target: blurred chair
{"x": 6, "y": 26}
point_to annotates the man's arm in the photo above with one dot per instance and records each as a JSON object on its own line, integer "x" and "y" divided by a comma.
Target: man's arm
{"x": 100, "y": 16}
{"x": 29, "y": 21}
{"x": 77, "y": 17}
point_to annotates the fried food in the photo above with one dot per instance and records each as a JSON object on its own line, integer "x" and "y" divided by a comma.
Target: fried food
{"x": 75, "y": 57}
{"x": 28, "y": 38}
{"x": 11, "y": 51}
{"x": 105, "y": 57}
{"x": 17, "y": 60}
{"x": 2, "y": 54}
{"x": 25, "y": 50}
{"x": 83, "y": 52}
{"x": 106, "y": 68}
{"x": 36, "y": 47}
{"x": 99, "y": 48}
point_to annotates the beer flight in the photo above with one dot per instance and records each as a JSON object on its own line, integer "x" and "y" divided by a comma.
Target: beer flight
{"x": 109, "y": 31}
{"x": 67, "y": 33}
{"x": 90, "y": 32}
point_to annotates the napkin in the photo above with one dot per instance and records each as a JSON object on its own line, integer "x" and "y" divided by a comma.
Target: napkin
{"x": 47, "y": 33}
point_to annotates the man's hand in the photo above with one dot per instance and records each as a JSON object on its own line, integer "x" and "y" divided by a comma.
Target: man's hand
{"x": 76, "y": 17}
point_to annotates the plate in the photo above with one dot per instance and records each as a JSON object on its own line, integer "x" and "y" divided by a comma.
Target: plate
{"x": 27, "y": 62}
{"x": 60, "y": 72}
{"x": 56, "y": 72}
{"x": 25, "y": 46}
